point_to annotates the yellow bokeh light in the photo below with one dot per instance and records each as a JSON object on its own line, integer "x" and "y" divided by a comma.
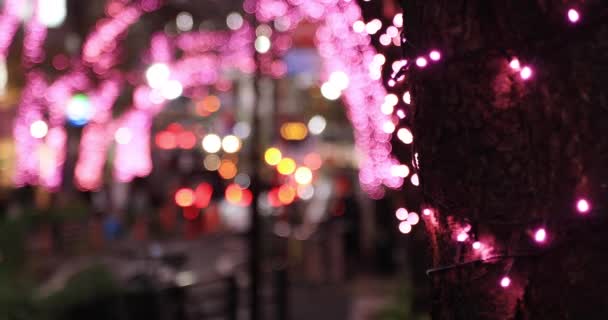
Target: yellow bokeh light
{"x": 294, "y": 131}
{"x": 286, "y": 166}
{"x": 303, "y": 175}
{"x": 227, "y": 169}
{"x": 273, "y": 156}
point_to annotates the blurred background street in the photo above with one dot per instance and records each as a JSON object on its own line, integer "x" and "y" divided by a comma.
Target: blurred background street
{"x": 205, "y": 160}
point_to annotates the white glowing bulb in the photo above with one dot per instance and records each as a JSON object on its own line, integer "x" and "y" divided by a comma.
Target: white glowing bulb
{"x": 392, "y": 31}
{"x": 359, "y": 26}
{"x": 505, "y": 282}
{"x": 158, "y": 75}
{"x": 123, "y": 135}
{"x": 184, "y": 21}
{"x": 234, "y": 21}
{"x": 405, "y": 227}
{"x": 414, "y": 180}
{"x": 391, "y": 99}
{"x": 373, "y": 26}
{"x": 427, "y": 212}
{"x": 39, "y": 129}
{"x": 400, "y": 170}
{"x": 400, "y": 114}
{"x": 401, "y": 214}
{"x": 462, "y": 237}
{"x": 173, "y": 89}
{"x": 212, "y": 143}
{"x": 514, "y": 64}
{"x": 526, "y": 73}
{"x": 397, "y": 65}
{"x": 405, "y": 135}
{"x": 339, "y": 79}
{"x": 52, "y": 13}
{"x": 407, "y": 97}
{"x": 583, "y": 206}
{"x": 413, "y": 218}
{"x": 573, "y": 15}
{"x": 391, "y": 83}
{"x": 398, "y": 20}
{"x": 317, "y": 124}
{"x": 379, "y": 59}
{"x": 387, "y": 108}
{"x": 476, "y": 245}
{"x": 540, "y": 235}
{"x": 435, "y": 55}
{"x": 388, "y": 126}
{"x": 330, "y": 91}
{"x": 262, "y": 44}
{"x": 385, "y": 40}
{"x": 421, "y": 62}
{"x": 231, "y": 144}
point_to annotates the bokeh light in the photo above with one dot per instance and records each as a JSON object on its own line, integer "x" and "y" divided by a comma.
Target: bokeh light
{"x": 227, "y": 169}
{"x": 303, "y": 175}
{"x": 330, "y": 91}
{"x": 39, "y": 129}
{"x": 184, "y": 197}
{"x": 212, "y": 143}
{"x": 262, "y": 44}
{"x": 212, "y": 162}
{"x": 287, "y": 194}
{"x": 231, "y": 144}
{"x": 272, "y": 156}
{"x": 317, "y": 124}
{"x": 79, "y": 110}
{"x": 234, "y": 21}
{"x": 294, "y": 131}
{"x": 157, "y": 75}
{"x": 405, "y": 227}
{"x": 286, "y": 166}
{"x": 401, "y": 214}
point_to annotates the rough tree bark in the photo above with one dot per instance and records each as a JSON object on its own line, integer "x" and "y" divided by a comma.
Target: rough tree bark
{"x": 507, "y": 156}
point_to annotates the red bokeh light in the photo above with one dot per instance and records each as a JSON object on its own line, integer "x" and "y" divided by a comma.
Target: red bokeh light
{"x": 313, "y": 161}
{"x": 234, "y": 193}
{"x": 237, "y": 196}
{"x": 273, "y": 198}
{"x": 166, "y": 140}
{"x": 202, "y": 195}
{"x": 186, "y": 140}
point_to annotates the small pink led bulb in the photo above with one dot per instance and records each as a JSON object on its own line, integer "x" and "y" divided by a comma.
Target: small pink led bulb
{"x": 476, "y": 245}
{"x": 573, "y": 15}
{"x": 526, "y": 73}
{"x": 583, "y": 206}
{"x": 462, "y": 237}
{"x": 421, "y": 62}
{"x": 505, "y": 282}
{"x": 427, "y": 212}
{"x": 435, "y": 55}
{"x": 540, "y": 235}
{"x": 514, "y": 64}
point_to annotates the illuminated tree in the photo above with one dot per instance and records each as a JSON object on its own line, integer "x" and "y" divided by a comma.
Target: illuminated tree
{"x": 509, "y": 131}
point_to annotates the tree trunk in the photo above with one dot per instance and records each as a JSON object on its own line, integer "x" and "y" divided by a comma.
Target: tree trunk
{"x": 507, "y": 156}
